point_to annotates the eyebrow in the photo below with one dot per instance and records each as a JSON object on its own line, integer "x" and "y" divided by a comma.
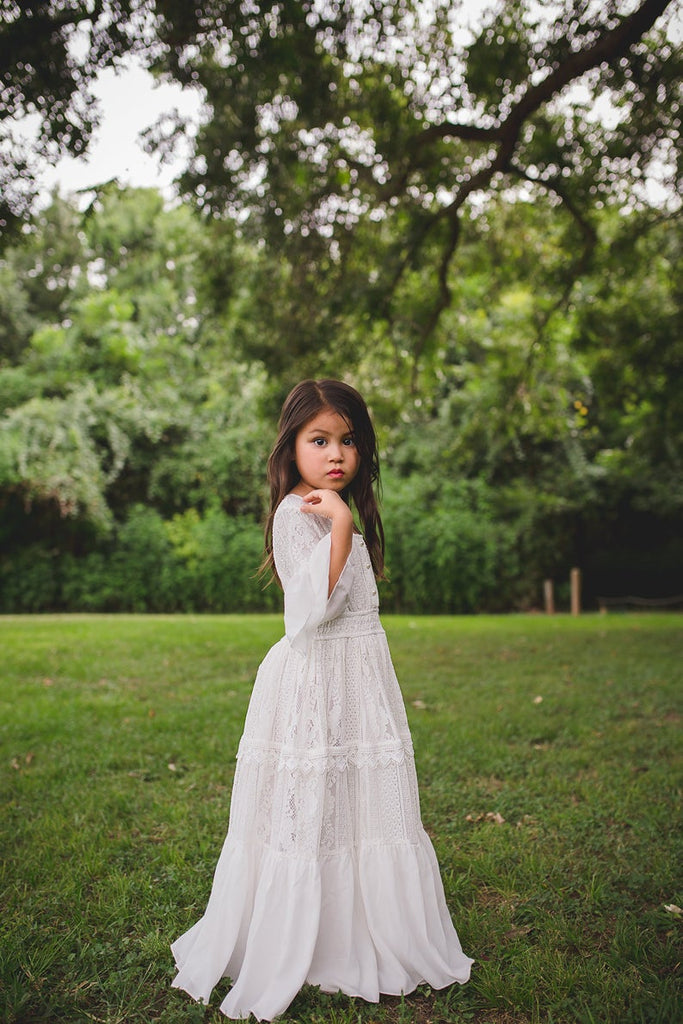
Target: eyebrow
{"x": 347, "y": 433}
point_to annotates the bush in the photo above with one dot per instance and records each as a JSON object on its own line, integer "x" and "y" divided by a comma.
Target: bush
{"x": 218, "y": 557}
{"x": 446, "y": 553}
{"x": 190, "y": 563}
{"x": 87, "y": 584}
{"x": 29, "y": 580}
{"x": 444, "y": 548}
{"x": 142, "y": 565}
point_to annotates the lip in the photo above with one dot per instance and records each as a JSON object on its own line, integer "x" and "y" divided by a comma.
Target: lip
{"x": 336, "y": 474}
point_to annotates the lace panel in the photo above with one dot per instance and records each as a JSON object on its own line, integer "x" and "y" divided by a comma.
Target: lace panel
{"x": 346, "y": 694}
{"x": 300, "y": 811}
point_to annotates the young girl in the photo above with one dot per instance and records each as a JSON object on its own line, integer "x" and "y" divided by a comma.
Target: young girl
{"x": 326, "y": 875}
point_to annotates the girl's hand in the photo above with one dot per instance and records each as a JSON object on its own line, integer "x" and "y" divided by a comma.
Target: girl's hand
{"x": 330, "y": 504}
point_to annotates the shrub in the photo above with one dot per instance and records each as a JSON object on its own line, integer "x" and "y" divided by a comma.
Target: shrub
{"x": 87, "y": 584}
{"x": 29, "y": 580}
{"x": 219, "y": 557}
{"x": 443, "y": 546}
{"x": 142, "y": 565}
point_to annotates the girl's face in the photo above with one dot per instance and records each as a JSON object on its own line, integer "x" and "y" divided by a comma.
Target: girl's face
{"x": 325, "y": 453}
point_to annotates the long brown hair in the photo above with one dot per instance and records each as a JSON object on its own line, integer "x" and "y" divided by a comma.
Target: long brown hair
{"x": 304, "y": 402}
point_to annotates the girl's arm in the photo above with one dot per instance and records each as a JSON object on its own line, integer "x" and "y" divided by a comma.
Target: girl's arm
{"x": 329, "y": 504}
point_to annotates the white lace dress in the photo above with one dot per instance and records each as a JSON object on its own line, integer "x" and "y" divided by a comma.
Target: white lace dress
{"x": 326, "y": 875}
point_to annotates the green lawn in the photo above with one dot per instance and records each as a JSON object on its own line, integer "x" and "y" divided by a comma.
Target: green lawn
{"x": 548, "y": 751}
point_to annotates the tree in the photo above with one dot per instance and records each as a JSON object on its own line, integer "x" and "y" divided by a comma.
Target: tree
{"x": 360, "y": 138}
{"x": 50, "y": 52}
{"x": 330, "y": 121}
{"x": 534, "y": 436}
{"x": 114, "y": 388}
{"x": 571, "y": 419}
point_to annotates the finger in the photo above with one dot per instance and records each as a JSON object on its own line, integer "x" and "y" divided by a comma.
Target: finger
{"x": 310, "y": 504}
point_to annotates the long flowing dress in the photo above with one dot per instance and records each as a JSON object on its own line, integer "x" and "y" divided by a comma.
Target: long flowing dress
{"x": 326, "y": 875}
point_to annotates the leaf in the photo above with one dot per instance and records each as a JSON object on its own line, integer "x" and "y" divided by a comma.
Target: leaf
{"x": 493, "y": 816}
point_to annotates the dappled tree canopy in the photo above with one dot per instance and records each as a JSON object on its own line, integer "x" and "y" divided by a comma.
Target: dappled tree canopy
{"x": 319, "y": 112}
{"x": 323, "y": 117}
{"x": 50, "y": 52}
{"x": 361, "y": 138}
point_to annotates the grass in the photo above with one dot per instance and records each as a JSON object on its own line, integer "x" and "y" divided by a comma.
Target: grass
{"x": 548, "y": 751}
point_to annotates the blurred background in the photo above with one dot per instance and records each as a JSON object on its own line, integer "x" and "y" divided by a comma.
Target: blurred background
{"x": 469, "y": 211}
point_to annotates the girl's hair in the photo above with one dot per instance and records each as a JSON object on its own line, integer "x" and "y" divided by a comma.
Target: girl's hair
{"x": 304, "y": 402}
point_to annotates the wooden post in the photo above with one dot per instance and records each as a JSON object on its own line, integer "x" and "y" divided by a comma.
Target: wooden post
{"x": 548, "y": 597}
{"x": 575, "y": 583}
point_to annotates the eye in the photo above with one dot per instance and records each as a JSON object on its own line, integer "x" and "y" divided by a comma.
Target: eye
{"x": 319, "y": 441}
{"x": 349, "y": 442}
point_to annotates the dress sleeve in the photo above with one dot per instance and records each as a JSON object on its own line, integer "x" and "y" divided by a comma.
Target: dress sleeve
{"x": 301, "y": 549}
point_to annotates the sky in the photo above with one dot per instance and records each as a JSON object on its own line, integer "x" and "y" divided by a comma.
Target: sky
{"x": 131, "y": 101}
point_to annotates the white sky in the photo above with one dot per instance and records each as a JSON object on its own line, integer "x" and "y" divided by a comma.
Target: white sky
{"x": 130, "y": 103}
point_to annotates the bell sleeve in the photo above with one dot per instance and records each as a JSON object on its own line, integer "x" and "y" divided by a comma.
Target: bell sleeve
{"x": 301, "y": 549}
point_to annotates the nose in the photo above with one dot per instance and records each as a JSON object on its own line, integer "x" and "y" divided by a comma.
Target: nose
{"x": 336, "y": 453}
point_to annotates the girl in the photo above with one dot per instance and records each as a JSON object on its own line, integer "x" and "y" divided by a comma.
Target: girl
{"x": 326, "y": 875}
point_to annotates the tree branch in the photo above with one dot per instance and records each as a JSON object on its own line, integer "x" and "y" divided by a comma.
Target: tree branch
{"x": 590, "y": 238}
{"x": 464, "y": 132}
{"x": 611, "y": 45}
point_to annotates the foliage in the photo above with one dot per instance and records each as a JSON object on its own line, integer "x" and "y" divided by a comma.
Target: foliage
{"x": 189, "y": 563}
{"x": 49, "y": 56}
{"x": 117, "y": 374}
{"x": 559, "y": 412}
{"x": 444, "y": 549}
{"x": 361, "y": 139}
{"x": 118, "y": 736}
{"x": 454, "y": 212}
{"x": 530, "y": 436}
{"x": 360, "y": 136}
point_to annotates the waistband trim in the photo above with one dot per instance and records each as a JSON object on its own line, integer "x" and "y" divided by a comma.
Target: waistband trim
{"x": 350, "y": 624}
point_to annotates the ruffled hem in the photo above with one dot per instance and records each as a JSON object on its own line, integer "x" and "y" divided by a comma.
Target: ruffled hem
{"x": 365, "y": 921}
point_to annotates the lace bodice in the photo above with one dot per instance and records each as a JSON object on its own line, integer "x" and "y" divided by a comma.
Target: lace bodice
{"x": 301, "y": 549}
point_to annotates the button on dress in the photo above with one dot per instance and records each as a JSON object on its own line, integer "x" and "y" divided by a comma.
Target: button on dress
{"x": 327, "y": 875}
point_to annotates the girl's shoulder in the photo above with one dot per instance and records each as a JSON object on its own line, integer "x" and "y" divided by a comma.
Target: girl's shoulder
{"x": 294, "y": 529}
{"x": 290, "y": 503}
{"x": 288, "y": 513}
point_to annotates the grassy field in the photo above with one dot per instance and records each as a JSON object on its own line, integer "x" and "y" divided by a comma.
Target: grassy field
{"x": 547, "y": 754}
